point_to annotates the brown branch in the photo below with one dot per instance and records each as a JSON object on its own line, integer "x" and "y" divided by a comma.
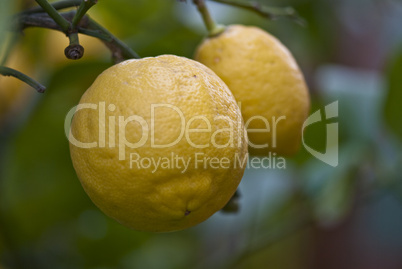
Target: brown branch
{"x": 86, "y": 26}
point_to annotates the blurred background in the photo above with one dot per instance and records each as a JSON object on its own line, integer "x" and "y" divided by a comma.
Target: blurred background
{"x": 310, "y": 215}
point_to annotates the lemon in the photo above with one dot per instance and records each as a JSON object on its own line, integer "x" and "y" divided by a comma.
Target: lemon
{"x": 173, "y": 143}
{"x": 266, "y": 81}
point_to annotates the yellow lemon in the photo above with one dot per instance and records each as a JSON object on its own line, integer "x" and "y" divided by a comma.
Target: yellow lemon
{"x": 266, "y": 81}
{"x": 158, "y": 143}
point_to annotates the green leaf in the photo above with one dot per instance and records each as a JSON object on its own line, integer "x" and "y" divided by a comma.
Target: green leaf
{"x": 360, "y": 94}
{"x": 331, "y": 190}
{"x": 5, "y": 12}
{"x": 393, "y": 108}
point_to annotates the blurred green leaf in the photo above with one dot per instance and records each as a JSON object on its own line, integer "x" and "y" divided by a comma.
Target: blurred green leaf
{"x": 360, "y": 96}
{"x": 393, "y": 107}
{"x": 41, "y": 148}
{"x": 314, "y": 135}
{"x": 51, "y": 222}
{"x": 5, "y": 8}
{"x": 331, "y": 190}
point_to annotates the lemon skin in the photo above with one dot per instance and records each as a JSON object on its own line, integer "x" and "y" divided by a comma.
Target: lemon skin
{"x": 153, "y": 198}
{"x": 266, "y": 81}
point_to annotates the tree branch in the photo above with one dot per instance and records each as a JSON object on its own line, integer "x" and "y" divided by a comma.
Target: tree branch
{"x": 60, "y": 20}
{"x": 271, "y": 13}
{"x": 82, "y": 10}
{"x": 6, "y": 71}
{"x": 213, "y": 28}
{"x": 56, "y": 5}
{"x": 120, "y": 51}
{"x": 74, "y": 51}
{"x": 87, "y": 26}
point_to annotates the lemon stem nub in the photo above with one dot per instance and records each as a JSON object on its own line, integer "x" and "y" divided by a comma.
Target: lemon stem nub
{"x": 187, "y": 213}
{"x": 74, "y": 51}
{"x": 213, "y": 28}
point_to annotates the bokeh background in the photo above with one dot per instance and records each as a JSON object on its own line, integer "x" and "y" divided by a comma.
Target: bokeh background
{"x": 310, "y": 215}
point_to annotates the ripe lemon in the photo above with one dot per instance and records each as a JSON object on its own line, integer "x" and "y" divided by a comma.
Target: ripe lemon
{"x": 266, "y": 81}
{"x": 166, "y": 109}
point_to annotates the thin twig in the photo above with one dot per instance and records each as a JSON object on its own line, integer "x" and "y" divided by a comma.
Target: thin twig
{"x": 82, "y": 10}
{"x": 120, "y": 51}
{"x": 212, "y": 27}
{"x": 56, "y": 5}
{"x": 265, "y": 11}
{"x": 74, "y": 51}
{"x": 87, "y": 26}
{"x": 55, "y": 15}
{"x": 95, "y": 33}
{"x": 6, "y": 71}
